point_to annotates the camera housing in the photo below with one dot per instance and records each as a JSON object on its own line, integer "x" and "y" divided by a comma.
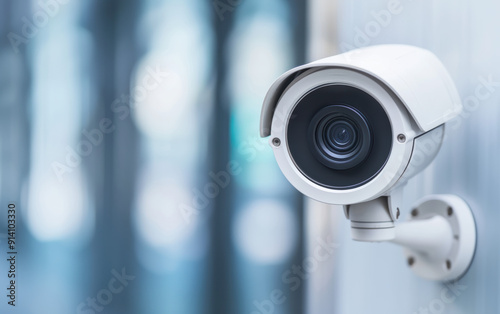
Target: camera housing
{"x": 391, "y": 101}
{"x": 353, "y": 128}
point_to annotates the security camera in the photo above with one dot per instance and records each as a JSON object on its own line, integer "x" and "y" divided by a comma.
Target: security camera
{"x": 352, "y": 129}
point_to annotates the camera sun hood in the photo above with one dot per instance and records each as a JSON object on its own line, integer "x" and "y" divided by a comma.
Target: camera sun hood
{"x": 400, "y": 68}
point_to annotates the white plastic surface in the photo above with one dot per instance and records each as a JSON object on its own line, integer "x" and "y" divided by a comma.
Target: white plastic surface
{"x": 439, "y": 249}
{"x": 371, "y": 221}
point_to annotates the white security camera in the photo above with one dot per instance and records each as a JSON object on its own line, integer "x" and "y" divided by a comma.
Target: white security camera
{"x": 353, "y": 128}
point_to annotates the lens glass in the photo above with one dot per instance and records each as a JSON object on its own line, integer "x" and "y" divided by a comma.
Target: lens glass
{"x": 340, "y": 135}
{"x": 341, "y": 138}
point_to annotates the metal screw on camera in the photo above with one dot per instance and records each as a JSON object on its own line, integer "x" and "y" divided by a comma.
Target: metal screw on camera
{"x": 401, "y": 138}
{"x": 276, "y": 142}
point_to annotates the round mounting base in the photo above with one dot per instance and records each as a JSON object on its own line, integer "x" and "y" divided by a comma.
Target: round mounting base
{"x": 456, "y": 262}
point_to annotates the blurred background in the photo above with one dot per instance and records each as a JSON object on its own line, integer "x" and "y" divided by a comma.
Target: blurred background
{"x": 129, "y": 144}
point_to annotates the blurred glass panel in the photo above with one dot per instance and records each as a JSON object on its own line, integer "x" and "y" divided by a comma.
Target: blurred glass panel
{"x": 261, "y": 50}
{"x": 265, "y": 232}
{"x": 171, "y": 212}
{"x": 265, "y": 224}
{"x": 59, "y": 210}
{"x": 58, "y": 206}
{"x": 141, "y": 197}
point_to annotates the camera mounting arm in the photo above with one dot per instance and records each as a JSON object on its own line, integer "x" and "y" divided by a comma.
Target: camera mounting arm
{"x": 439, "y": 238}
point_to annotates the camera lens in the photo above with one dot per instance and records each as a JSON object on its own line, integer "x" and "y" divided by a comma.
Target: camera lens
{"x": 341, "y": 138}
{"x": 340, "y": 135}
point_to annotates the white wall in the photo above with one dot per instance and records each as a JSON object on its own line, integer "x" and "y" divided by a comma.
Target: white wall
{"x": 374, "y": 278}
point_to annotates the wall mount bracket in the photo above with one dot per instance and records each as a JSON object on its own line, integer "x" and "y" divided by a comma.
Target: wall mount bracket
{"x": 439, "y": 237}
